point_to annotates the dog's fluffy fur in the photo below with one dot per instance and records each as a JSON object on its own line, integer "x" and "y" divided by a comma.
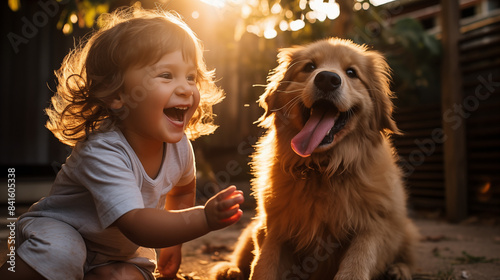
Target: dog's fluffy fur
{"x": 337, "y": 211}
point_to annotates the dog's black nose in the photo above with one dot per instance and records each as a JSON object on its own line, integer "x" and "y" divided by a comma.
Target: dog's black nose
{"x": 327, "y": 81}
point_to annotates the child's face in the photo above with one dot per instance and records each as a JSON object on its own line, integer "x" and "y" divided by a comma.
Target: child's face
{"x": 160, "y": 98}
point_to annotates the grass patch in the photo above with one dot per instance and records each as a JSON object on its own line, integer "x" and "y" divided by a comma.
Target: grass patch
{"x": 467, "y": 258}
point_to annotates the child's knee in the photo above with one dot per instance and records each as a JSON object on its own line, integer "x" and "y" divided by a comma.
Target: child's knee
{"x": 52, "y": 247}
{"x": 70, "y": 252}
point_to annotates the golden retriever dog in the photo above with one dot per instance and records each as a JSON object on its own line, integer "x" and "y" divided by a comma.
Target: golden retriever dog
{"x": 331, "y": 200}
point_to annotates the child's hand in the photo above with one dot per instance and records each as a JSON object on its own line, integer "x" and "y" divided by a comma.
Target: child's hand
{"x": 223, "y": 209}
{"x": 169, "y": 261}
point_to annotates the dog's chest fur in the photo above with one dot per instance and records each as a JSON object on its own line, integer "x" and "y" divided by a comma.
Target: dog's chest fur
{"x": 305, "y": 204}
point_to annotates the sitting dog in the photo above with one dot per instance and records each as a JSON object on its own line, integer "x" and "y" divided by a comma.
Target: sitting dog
{"x": 331, "y": 200}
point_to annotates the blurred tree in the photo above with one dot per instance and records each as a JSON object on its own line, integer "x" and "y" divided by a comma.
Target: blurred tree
{"x": 413, "y": 54}
{"x": 82, "y": 13}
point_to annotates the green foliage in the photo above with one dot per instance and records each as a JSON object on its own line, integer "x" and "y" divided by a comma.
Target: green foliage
{"x": 412, "y": 53}
{"x": 83, "y": 13}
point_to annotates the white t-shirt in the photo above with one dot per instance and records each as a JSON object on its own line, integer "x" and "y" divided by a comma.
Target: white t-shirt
{"x": 103, "y": 179}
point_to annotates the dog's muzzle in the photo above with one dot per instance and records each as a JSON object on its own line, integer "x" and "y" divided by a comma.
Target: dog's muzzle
{"x": 324, "y": 119}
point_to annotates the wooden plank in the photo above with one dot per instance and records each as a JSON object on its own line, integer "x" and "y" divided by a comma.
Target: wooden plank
{"x": 427, "y": 192}
{"x": 430, "y": 167}
{"x": 427, "y": 176}
{"x": 484, "y": 55}
{"x": 483, "y": 131}
{"x": 481, "y": 144}
{"x": 454, "y": 147}
{"x": 420, "y": 133}
{"x": 481, "y": 177}
{"x": 491, "y": 118}
{"x": 484, "y": 155}
{"x": 487, "y": 28}
{"x": 426, "y": 202}
{"x": 484, "y": 167}
{"x": 423, "y": 111}
{"x": 470, "y": 82}
{"x": 435, "y": 123}
{"x": 474, "y": 68}
{"x": 427, "y": 184}
{"x": 488, "y": 23}
{"x": 478, "y": 45}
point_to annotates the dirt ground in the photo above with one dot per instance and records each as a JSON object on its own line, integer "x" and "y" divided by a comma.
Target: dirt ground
{"x": 469, "y": 250}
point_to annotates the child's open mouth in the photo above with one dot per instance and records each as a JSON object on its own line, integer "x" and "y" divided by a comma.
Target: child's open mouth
{"x": 176, "y": 113}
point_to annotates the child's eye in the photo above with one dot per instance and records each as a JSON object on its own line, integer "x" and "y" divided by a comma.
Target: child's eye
{"x": 165, "y": 75}
{"x": 191, "y": 78}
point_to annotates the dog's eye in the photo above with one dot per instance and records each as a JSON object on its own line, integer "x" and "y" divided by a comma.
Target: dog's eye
{"x": 351, "y": 73}
{"x": 309, "y": 67}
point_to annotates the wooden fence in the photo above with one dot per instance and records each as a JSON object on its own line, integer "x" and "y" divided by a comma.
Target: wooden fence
{"x": 421, "y": 149}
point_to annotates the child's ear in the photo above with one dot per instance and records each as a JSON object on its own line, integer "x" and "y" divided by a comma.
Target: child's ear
{"x": 117, "y": 103}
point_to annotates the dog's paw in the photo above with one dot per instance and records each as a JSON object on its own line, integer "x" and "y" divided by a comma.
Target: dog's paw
{"x": 226, "y": 271}
{"x": 399, "y": 271}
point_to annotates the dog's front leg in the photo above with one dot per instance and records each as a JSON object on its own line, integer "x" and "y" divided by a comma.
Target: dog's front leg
{"x": 360, "y": 260}
{"x": 267, "y": 259}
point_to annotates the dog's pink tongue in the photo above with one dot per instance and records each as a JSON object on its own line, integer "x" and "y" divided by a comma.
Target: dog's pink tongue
{"x": 313, "y": 132}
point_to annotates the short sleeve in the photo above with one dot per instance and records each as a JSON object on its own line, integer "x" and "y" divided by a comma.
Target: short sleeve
{"x": 105, "y": 170}
{"x": 189, "y": 165}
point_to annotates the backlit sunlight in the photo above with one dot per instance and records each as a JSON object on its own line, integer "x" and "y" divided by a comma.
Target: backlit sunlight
{"x": 380, "y": 2}
{"x": 276, "y": 17}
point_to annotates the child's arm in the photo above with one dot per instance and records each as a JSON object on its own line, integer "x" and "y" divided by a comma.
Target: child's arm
{"x": 180, "y": 197}
{"x": 157, "y": 228}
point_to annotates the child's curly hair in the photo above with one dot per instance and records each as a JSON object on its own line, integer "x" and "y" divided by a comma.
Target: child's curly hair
{"x": 93, "y": 73}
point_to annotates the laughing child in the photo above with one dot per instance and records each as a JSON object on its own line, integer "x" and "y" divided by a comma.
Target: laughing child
{"x": 127, "y": 101}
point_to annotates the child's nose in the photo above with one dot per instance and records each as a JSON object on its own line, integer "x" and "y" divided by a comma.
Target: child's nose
{"x": 184, "y": 90}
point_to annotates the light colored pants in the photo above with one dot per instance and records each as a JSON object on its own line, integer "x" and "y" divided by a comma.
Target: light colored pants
{"x": 56, "y": 250}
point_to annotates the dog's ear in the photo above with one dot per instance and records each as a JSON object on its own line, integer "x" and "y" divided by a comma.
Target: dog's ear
{"x": 381, "y": 94}
{"x": 269, "y": 100}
